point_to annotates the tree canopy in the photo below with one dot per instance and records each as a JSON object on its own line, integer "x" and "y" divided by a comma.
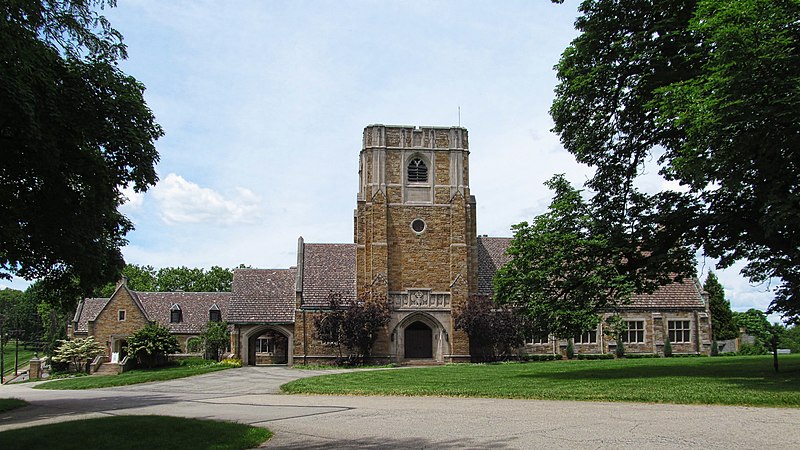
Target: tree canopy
{"x": 75, "y": 131}
{"x": 709, "y": 91}
{"x": 722, "y": 324}
{"x": 172, "y": 279}
{"x": 563, "y": 268}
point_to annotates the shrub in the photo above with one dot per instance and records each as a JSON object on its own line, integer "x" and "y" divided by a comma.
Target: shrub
{"x": 151, "y": 345}
{"x": 583, "y": 356}
{"x": 752, "y": 349}
{"x": 494, "y": 331}
{"x": 231, "y": 362}
{"x": 194, "y": 345}
{"x": 78, "y": 352}
{"x": 570, "y": 349}
{"x": 216, "y": 338}
{"x": 354, "y": 326}
{"x": 667, "y": 347}
{"x": 642, "y": 355}
{"x": 620, "y": 350}
{"x": 714, "y": 348}
{"x": 543, "y": 357}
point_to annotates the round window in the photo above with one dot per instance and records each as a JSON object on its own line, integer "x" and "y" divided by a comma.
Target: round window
{"x": 418, "y": 225}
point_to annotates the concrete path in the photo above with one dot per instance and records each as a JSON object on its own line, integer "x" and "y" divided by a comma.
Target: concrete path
{"x": 250, "y": 395}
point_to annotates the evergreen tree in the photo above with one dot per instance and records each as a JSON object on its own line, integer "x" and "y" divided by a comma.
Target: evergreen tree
{"x": 722, "y": 324}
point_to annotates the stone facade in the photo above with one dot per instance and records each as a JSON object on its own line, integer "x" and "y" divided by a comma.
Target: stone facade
{"x": 415, "y": 243}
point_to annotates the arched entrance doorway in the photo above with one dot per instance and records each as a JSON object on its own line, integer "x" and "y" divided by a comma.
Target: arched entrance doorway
{"x": 268, "y": 347}
{"x": 119, "y": 350}
{"x": 418, "y": 341}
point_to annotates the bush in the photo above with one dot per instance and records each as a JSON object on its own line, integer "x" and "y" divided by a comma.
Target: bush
{"x": 752, "y": 349}
{"x": 570, "y": 349}
{"x": 667, "y": 347}
{"x": 714, "y": 348}
{"x": 231, "y": 362}
{"x": 151, "y": 345}
{"x": 642, "y": 355}
{"x": 537, "y": 357}
{"x": 620, "y": 350}
{"x": 583, "y": 356}
{"x": 194, "y": 345}
{"x": 78, "y": 352}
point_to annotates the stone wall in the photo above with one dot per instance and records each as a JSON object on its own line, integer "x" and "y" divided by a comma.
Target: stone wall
{"x": 107, "y": 327}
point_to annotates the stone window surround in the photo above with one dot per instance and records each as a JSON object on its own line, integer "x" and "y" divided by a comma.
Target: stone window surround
{"x": 175, "y": 314}
{"x": 541, "y": 339}
{"x": 588, "y": 337}
{"x": 684, "y": 332}
{"x": 641, "y": 330}
{"x": 121, "y": 315}
{"x": 413, "y": 169}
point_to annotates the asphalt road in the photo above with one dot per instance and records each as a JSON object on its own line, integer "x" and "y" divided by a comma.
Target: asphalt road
{"x": 250, "y": 395}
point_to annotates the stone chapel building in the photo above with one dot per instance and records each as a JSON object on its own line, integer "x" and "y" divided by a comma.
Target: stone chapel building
{"x": 416, "y": 243}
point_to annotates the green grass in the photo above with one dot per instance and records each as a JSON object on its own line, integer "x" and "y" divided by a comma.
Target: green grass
{"x": 8, "y": 357}
{"x": 747, "y": 380}
{"x": 185, "y": 369}
{"x": 7, "y": 404}
{"x": 137, "y": 432}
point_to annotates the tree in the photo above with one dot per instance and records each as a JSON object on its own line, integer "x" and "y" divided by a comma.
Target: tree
{"x": 754, "y": 322}
{"x": 494, "y": 332}
{"x": 710, "y": 91}
{"x": 78, "y": 352}
{"x": 75, "y": 132}
{"x": 171, "y": 279}
{"x": 151, "y": 345}
{"x": 216, "y": 338}
{"x": 354, "y": 326}
{"x": 722, "y": 325}
{"x": 562, "y": 268}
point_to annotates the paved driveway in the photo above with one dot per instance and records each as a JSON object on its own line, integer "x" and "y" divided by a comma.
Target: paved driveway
{"x": 249, "y": 395}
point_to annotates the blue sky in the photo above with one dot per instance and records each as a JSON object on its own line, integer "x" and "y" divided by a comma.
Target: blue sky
{"x": 264, "y": 102}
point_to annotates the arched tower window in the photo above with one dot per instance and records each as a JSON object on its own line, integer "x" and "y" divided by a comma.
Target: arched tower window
{"x": 417, "y": 171}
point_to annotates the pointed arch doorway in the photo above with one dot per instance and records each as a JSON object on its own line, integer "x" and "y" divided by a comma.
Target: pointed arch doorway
{"x": 418, "y": 341}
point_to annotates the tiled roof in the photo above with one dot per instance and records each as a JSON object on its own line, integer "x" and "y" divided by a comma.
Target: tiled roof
{"x": 263, "y": 296}
{"x": 684, "y": 294}
{"x": 327, "y": 269}
{"x": 88, "y": 310}
{"x": 491, "y": 256}
{"x": 194, "y": 308}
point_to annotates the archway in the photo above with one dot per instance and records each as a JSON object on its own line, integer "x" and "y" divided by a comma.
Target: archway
{"x": 267, "y": 346}
{"x": 418, "y": 341}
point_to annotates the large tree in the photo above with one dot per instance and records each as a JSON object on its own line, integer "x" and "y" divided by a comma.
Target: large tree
{"x": 709, "y": 90}
{"x": 74, "y": 131}
{"x": 564, "y": 268}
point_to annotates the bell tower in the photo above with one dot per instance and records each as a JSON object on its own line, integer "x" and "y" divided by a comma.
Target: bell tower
{"x": 415, "y": 232}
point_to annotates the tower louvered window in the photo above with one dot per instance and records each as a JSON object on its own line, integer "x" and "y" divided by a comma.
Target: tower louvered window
{"x": 417, "y": 171}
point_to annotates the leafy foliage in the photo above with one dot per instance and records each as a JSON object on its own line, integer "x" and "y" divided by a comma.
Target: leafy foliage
{"x": 667, "y": 347}
{"x": 710, "y": 90}
{"x": 354, "y": 326}
{"x": 172, "y": 279}
{"x": 563, "y": 269}
{"x": 78, "y": 352}
{"x": 151, "y": 345}
{"x": 753, "y": 321}
{"x": 722, "y": 325}
{"x": 76, "y": 131}
{"x": 494, "y": 332}
{"x": 216, "y": 338}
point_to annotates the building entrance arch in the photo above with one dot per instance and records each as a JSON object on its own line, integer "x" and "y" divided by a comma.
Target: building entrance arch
{"x": 420, "y": 336}
{"x": 267, "y": 345}
{"x": 418, "y": 341}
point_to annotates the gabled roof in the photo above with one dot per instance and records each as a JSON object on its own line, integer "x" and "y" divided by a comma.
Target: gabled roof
{"x": 194, "y": 308}
{"x": 328, "y": 269}
{"x": 491, "y": 256}
{"x": 88, "y": 310}
{"x": 263, "y": 296}
{"x": 679, "y": 295}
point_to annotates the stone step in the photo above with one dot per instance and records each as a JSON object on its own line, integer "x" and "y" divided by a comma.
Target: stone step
{"x": 421, "y": 362}
{"x": 107, "y": 369}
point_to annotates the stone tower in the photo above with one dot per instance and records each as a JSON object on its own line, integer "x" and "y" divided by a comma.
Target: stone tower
{"x": 415, "y": 232}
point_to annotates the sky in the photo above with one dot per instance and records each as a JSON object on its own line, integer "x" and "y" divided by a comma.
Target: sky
{"x": 264, "y": 102}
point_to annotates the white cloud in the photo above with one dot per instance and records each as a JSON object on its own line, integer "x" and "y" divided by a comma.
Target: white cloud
{"x": 133, "y": 200}
{"x": 181, "y": 201}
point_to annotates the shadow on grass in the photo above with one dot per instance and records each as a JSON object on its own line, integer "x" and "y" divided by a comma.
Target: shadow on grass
{"x": 754, "y": 373}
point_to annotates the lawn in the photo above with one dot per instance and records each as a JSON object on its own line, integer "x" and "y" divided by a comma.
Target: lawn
{"x": 187, "y": 368}
{"x": 137, "y": 432}
{"x": 7, "y": 404}
{"x": 744, "y": 380}
{"x": 8, "y": 357}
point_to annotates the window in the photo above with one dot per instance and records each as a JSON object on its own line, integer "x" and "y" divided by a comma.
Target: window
{"x": 418, "y": 225}
{"x": 175, "y": 314}
{"x": 265, "y": 344}
{"x": 635, "y": 333}
{"x": 587, "y": 337}
{"x": 417, "y": 171}
{"x": 121, "y": 315}
{"x": 214, "y": 314}
{"x": 539, "y": 338}
{"x": 679, "y": 331}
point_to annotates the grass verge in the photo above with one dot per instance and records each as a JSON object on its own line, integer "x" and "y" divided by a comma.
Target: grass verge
{"x": 8, "y": 357}
{"x": 7, "y": 404}
{"x": 137, "y": 432}
{"x": 746, "y": 380}
{"x": 186, "y": 368}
